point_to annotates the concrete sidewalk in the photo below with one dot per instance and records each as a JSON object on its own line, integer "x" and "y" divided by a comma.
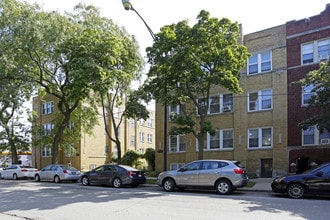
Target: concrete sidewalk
{"x": 262, "y": 184}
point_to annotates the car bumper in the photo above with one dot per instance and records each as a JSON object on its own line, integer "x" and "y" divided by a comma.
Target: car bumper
{"x": 240, "y": 183}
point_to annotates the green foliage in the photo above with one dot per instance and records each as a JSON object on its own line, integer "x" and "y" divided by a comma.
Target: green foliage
{"x": 71, "y": 57}
{"x": 187, "y": 63}
{"x": 130, "y": 158}
{"x": 320, "y": 79}
{"x": 149, "y": 156}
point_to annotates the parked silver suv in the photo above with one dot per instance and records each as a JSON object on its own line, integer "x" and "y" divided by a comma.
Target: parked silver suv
{"x": 224, "y": 176}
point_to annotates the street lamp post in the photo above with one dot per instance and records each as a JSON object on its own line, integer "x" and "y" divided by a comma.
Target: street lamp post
{"x": 128, "y": 6}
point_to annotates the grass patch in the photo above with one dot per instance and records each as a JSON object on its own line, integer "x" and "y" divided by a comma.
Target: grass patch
{"x": 250, "y": 184}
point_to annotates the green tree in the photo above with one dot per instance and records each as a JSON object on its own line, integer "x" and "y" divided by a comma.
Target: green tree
{"x": 188, "y": 62}
{"x": 149, "y": 155}
{"x": 130, "y": 158}
{"x": 320, "y": 80}
{"x": 69, "y": 56}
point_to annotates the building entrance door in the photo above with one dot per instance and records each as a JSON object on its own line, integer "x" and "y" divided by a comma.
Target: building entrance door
{"x": 266, "y": 168}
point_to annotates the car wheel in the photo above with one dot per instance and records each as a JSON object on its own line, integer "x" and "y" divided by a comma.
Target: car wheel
{"x": 168, "y": 185}
{"x": 296, "y": 190}
{"x": 85, "y": 181}
{"x": 116, "y": 182}
{"x": 57, "y": 179}
{"x": 37, "y": 178}
{"x": 15, "y": 177}
{"x": 223, "y": 187}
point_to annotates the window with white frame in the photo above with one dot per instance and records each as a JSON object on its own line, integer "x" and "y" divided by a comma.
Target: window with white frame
{"x": 47, "y": 108}
{"x": 132, "y": 141}
{"x": 177, "y": 143}
{"x": 223, "y": 139}
{"x": 149, "y": 123}
{"x": 47, "y": 129}
{"x": 176, "y": 109}
{"x": 259, "y": 63}
{"x": 218, "y": 103}
{"x": 315, "y": 51}
{"x": 149, "y": 138}
{"x": 46, "y": 152}
{"x": 260, "y": 138}
{"x": 260, "y": 100}
{"x": 227, "y": 102}
{"x": 141, "y": 121}
{"x": 323, "y": 49}
{"x": 307, "y": 94}
{"x": 141, "y": 136}
{"x": 132, "y": 123}
{"x": 202, "y": 104}
{"x": 116, "y": 112}
{"x": 312, "y": 136}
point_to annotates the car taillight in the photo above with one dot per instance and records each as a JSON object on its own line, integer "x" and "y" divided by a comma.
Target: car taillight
{"x": 239, "y": 171}
{"x": 65, "y": 171}
{"x": 130, "y": 173}
{"x": 23, "y": 170}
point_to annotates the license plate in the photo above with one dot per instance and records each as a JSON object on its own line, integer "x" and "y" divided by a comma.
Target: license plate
{"x": 140, "y": 175}
{"x": 73, "y": 173}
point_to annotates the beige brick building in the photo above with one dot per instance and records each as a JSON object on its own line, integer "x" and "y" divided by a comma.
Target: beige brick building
{"x": 91, "y": 150}
{"x": 252, "y": 126}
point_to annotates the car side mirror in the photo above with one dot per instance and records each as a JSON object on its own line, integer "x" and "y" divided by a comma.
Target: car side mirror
{"x": 319, "y": 174}
{"x": 182, "y": 169}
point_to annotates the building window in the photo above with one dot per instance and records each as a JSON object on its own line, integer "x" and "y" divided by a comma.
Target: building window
{"x": 222, "y": 139}
{"x": 323, "y": 50}
{"x": 116, "y": 112}
{"x": 176, "y": 166}
{"x": 132, "y": 141}
{"x": 260, "y": 138}
{"x": 177, "y": 143}
{"x": 307, "y": 94}
{"x": 261, "y": 100}
{"x": 47, "y": 108}
{"x": 132, "y": 123}
{"x": 260, "y": 63}
{"x": 47, "y": 129}
{"x": 315, "y": 51}
{"x": 312, "y": 136}
{"x": 46, "y": 152}
{"x": 149, "y": 138}
{"x": 141, "y": 136}
{"x": 141, "y": 121}
{"x": 218, "y": 103}
{"x": 149, "y": 123}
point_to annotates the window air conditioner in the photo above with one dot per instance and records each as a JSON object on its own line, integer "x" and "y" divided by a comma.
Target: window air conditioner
{"x": 325, "y": 141}
{"x": 226, "y": 108}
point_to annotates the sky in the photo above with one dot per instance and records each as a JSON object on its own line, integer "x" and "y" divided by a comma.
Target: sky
{"x": 254, "y": 15}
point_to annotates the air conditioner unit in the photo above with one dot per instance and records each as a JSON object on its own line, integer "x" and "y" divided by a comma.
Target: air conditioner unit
{"x": 325, "y": 141}
{"x": 324, "y": 57}
{"x": 226, "y": 108}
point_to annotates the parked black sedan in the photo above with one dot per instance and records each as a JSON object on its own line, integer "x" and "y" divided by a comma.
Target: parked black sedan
{"x": 315, "y": 181}
{"x": 113, "y": 175}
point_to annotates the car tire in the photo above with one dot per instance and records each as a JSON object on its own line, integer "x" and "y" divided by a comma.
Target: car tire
{"x": 168, "y": 185}
{"x": 116, "y": 182}
{"x": 37, "y": 178}
{"x": 57, "y": 179}
{"x": 296, "y": 190}
{"x": 85, "y": 181}
{"x": 223, "y": 187}
{"x": 15, "y": 177}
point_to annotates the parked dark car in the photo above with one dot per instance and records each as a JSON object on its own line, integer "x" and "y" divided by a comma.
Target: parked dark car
{"x": 315, "y": 181}
{"x": 224, "y": 176}
{"x": 58, "y": 173}
{"x": 113, "y": 175}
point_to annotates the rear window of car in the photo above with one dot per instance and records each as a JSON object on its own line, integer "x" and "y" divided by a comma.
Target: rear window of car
{"x": 237, "y": 163}
{"x": 68, "y": 168}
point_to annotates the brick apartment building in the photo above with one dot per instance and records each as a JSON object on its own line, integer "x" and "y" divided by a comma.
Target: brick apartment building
{"x": 262, "y": 123}
{"x": 92, "y": 150}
